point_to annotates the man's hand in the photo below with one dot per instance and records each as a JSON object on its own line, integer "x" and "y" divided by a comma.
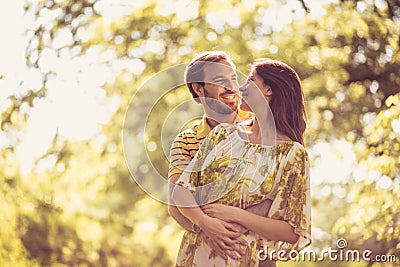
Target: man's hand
{"x": 222, "y": 237}
{"x": 232, "y": 252}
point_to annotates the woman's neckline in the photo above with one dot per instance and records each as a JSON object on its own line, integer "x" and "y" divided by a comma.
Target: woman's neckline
{"x": 262, "y": 145}
{"x": 250, "y": 122}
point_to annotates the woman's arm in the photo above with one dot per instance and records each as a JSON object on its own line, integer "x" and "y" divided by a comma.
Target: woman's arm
{"x": 269, "y": 228}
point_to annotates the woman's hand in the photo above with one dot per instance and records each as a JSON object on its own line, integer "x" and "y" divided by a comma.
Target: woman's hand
{"x": 222, "y": 212}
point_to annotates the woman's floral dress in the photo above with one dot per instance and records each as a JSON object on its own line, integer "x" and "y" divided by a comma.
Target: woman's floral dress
{"x": 230, "y": 170}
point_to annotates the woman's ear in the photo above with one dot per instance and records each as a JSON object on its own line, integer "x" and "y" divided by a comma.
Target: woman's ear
{"x": 268, "y": 92}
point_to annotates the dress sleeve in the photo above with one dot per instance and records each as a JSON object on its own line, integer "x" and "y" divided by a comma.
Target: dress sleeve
{"x": 293, "y": 201}
{"x": 191, "y": 176}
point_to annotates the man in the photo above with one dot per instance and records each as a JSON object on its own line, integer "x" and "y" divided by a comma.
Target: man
{"x": 212, "y": 81}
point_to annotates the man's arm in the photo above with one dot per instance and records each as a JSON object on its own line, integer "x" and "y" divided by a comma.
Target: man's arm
{"x": 173, "y": 210}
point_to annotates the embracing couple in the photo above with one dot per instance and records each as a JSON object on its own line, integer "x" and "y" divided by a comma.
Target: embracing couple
{"x": 240, "y": 177}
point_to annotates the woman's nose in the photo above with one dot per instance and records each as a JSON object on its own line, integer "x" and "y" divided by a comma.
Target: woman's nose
{"x": 242, "y": 87}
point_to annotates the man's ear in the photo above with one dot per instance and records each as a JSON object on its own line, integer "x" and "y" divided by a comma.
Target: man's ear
{"x": 198, "y": 88}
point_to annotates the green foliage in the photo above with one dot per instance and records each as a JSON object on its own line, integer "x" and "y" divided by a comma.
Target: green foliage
{"x": 379, "y": 213}
{"x": 78, "y": 204}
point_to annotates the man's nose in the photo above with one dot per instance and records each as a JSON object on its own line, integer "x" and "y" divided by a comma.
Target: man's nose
{"x": 232, "y": 86}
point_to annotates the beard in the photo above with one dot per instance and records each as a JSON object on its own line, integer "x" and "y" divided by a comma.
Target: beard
{"x": 218, "y": 106}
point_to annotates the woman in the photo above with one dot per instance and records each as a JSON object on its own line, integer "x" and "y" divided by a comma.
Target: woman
{"x": 239, "y": 166}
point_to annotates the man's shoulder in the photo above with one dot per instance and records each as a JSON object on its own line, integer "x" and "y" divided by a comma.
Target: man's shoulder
{"x": 189, "y": 132}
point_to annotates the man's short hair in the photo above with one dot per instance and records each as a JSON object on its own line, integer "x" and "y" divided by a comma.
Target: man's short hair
{"x": 195, "y": 70}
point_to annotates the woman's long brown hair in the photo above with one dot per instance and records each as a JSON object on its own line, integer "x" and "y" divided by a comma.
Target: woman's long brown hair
{"x": 287, "y": 102}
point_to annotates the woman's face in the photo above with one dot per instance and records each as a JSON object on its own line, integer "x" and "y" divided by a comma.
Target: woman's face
{"x": 254, "y": 92}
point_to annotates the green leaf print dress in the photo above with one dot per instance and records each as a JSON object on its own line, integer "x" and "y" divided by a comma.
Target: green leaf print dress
{"x": 230, "y": 170}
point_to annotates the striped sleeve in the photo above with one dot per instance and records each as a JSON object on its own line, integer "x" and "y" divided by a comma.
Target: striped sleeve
{"x": 182, "y": 150}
